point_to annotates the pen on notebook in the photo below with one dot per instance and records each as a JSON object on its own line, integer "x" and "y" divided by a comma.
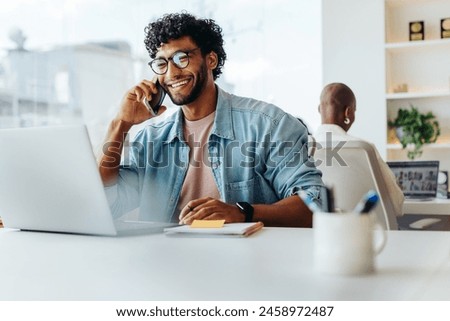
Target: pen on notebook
{"x": 313, "y": 207}
{"x": 367, "y": 203}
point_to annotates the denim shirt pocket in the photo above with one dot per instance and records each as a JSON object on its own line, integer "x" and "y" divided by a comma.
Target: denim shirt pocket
{"x": 242, "y": 191}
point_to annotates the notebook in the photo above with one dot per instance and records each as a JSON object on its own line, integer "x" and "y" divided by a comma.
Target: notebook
{"x": 50, "y": 182}
{"x": 417, "y": 179}
{"x": 227, "y": 230}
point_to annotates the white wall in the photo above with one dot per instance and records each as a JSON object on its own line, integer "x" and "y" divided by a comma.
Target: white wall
{"x": 353, "y": 53}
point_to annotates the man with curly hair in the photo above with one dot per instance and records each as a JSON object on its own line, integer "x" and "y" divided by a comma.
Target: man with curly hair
{"x": 219, "y": 156}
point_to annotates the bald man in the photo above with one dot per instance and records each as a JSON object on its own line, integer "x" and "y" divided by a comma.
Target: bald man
{"x": 337, "y": 109}
{"x": 337, "y": 105}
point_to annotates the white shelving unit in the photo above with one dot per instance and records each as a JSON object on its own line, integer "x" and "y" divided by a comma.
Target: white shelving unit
{"x": 428, "y": 146}
{"x": 425, "y": 44}
{"x": 424, "y": 66}
{"x": 430, "y": 94}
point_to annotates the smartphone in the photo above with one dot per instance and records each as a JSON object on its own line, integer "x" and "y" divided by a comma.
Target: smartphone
{"x": 157, "y": 100}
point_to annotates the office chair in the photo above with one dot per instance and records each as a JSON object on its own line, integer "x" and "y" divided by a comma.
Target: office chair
{"x": 352, "y": 169}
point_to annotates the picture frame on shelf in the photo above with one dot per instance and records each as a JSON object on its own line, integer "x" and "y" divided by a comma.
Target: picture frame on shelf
{"x": 442, "y": 190}
{"x": 416, "y": 30}
{"x": 445, "y": 28}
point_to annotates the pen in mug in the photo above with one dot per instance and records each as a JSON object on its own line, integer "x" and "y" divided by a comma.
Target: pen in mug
{"x": 328, "y": 198}
{"x": 367, "y": 203}
{"x": 313, "y": 207}
{"x": 323, "y": 195}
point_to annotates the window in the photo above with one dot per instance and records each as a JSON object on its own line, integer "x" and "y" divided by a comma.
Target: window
{"x": 273, "y": 48}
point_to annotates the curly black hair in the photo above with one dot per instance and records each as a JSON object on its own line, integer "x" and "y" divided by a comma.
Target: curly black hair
{"x": 204, "y": 32}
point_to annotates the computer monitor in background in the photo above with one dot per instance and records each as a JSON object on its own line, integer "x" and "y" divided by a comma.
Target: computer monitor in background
{"x": 417, "y": 179}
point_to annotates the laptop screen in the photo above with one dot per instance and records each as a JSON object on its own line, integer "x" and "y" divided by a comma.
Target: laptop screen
{"x": 417, "y": 179}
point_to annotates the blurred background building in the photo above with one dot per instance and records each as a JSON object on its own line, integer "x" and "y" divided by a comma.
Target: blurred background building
{"x": 73, "y": 60}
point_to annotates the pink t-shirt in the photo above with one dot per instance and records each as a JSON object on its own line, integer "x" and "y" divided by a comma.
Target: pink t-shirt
{"x": 199, "y": 181}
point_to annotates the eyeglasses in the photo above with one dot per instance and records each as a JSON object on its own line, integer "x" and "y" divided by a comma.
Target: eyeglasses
{"x": 179, "y": 58}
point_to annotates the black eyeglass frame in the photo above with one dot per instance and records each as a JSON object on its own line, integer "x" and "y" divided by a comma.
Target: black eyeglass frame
{"x": 172, "y": 58}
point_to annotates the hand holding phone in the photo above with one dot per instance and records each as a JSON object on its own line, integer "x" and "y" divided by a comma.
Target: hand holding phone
{"x": 156, "y": 102}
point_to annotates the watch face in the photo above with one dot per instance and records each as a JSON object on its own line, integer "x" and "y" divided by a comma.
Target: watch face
{"x": 244, "y": 206}
{"x": 247, "y": 209}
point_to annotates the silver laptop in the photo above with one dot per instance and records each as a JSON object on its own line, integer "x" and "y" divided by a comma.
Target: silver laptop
{"x": 49, "y": 181}
{"x": 417, "y": 179}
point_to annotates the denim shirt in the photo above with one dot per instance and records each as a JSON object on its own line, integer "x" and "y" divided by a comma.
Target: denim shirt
{"x": 257, "y": 153}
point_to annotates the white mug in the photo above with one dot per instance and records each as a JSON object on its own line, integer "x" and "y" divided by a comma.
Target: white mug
{"x": 344, "y": 243}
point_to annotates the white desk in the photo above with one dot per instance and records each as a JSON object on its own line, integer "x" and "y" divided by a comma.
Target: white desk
{"x": 418, "y": 210}
{"x": 437, "y": 206}
{"x": 274, "y": 264}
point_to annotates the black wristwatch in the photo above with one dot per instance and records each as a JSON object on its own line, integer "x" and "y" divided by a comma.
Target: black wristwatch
{"x": 246, "y": 209}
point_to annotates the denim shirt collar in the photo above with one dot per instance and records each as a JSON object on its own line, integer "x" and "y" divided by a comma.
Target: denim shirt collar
{"x": 223, "y": 123}
{"x": 176, "y": 131}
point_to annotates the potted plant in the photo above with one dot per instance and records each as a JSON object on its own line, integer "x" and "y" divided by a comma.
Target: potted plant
{"x": 414, "y": 129}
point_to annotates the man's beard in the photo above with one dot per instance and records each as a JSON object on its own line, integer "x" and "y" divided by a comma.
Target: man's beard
{"x": 195, "y": 92}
